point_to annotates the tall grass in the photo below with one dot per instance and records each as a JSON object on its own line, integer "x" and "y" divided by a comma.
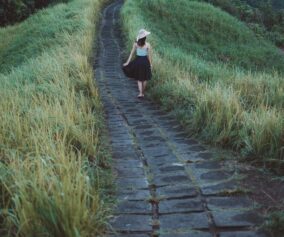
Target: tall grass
{"x": 52, "y": 150}
{"x": 223, "y": 83}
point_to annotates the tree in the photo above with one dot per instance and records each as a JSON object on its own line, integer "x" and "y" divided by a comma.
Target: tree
{"x": 12, "y": 11}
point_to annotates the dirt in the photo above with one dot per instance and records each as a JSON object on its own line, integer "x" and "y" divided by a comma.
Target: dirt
{"x": 265, "y": 188}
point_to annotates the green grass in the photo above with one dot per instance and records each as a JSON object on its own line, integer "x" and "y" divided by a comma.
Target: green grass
{"x": 214, "y": 38}
{"x": 264, "y": 17}
{"x": 53, "y": 153}
{"x": 222, "y": 82}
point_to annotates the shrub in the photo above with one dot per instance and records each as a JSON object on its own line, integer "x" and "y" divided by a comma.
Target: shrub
{"x": 17, "y": 10}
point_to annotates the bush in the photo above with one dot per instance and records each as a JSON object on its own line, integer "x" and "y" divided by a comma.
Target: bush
{"x": 267, "y": 14}
{"x": 17, "y": 10}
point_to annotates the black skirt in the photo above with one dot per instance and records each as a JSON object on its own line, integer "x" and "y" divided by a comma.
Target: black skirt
{"x": 138, "y": 69}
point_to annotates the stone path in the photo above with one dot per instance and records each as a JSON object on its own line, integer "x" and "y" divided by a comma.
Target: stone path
{"x": 167, "y": 184}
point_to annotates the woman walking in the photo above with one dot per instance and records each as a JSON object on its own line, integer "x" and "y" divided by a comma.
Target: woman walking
{"x": 140, "y": 67}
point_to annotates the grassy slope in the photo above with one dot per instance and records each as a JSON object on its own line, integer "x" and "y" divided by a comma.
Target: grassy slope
{"x": 230, "y": 40}
{"x": 51, "y": 125}
{"x": 214, "y": 74}
{"x": 278, "y": 4}
{"x": 40, "y": 33}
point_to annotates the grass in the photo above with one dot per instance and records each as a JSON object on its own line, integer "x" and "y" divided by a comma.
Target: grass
{"x": 53, "y": 178}
{"x": 223, "y": 83}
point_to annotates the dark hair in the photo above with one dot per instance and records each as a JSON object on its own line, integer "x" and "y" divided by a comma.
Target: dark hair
{"x": 141, "y": 42}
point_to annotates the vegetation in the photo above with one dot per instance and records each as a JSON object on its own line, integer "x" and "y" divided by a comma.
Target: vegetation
{"x": 17, "y": 10}
{"x": 214, "y": 74}
{"x": 52, "y": 154}
{"x": 264, "y": 17}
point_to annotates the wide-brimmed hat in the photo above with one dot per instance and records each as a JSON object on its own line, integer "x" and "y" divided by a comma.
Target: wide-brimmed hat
{"x": 142, "y": 33}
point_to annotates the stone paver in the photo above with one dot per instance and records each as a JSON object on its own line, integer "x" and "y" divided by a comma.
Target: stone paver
{"x": 171, "y": 178}
{"x": 167, "y": 184}
{"x": 180, "y": 206}
{"x": 133, "y": 207}
{"x": 226, "y": 187}
{"x": 238, "y": 203}
{"x": 180, "y": 191}
{"x": 128, "y": 235}
{"x": 184, "y": 221}
{"x": 132, "y": 223}
{"x": 242, "y": 234}
{"x": 133, "y": 195}
{"x": 188, "y": 234}
{"x": 132, "y": 183}
{"x": 232, "y": 218}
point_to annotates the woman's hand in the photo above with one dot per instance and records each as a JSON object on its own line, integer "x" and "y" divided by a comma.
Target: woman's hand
{"x": 125, "y": 64}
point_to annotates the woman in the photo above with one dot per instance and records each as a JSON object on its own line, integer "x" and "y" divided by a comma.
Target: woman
{"x": 140, "y": 67}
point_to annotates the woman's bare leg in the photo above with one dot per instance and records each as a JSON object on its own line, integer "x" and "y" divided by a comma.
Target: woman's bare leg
{"x": 140, "y": 88}
{"x": 144, "y": 86}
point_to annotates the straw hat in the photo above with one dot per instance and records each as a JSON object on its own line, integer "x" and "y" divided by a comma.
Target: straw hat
{"x": 142, "y": 33}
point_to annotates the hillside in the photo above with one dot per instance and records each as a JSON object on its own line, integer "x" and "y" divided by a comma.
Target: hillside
{"x": 215, "y": 74}
{"x": 264, "y": 17}
{"x": 218, "y": 36}
{"x": 36, "y": 35}
{"x": 12, "y": 12}
{"x": 277, "y": 4}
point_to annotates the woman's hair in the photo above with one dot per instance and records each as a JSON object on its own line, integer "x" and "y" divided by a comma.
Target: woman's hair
{"x": 141, "y": 42}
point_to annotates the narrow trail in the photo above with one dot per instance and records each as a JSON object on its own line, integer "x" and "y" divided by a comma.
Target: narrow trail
{"x": 167, "y": 184}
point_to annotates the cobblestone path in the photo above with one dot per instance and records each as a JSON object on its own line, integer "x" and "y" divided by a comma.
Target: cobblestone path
{"x": 167, "y": 183}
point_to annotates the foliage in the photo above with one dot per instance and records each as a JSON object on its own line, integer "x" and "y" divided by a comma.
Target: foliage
{"x": 52, "y": 152}
{"x": 264, "y": 14}
{"x": 12, "y": 11}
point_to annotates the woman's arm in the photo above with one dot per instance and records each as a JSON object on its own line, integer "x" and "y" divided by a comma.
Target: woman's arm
{"x": 131, "y": 55}
{"x": 150, "y": 54}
